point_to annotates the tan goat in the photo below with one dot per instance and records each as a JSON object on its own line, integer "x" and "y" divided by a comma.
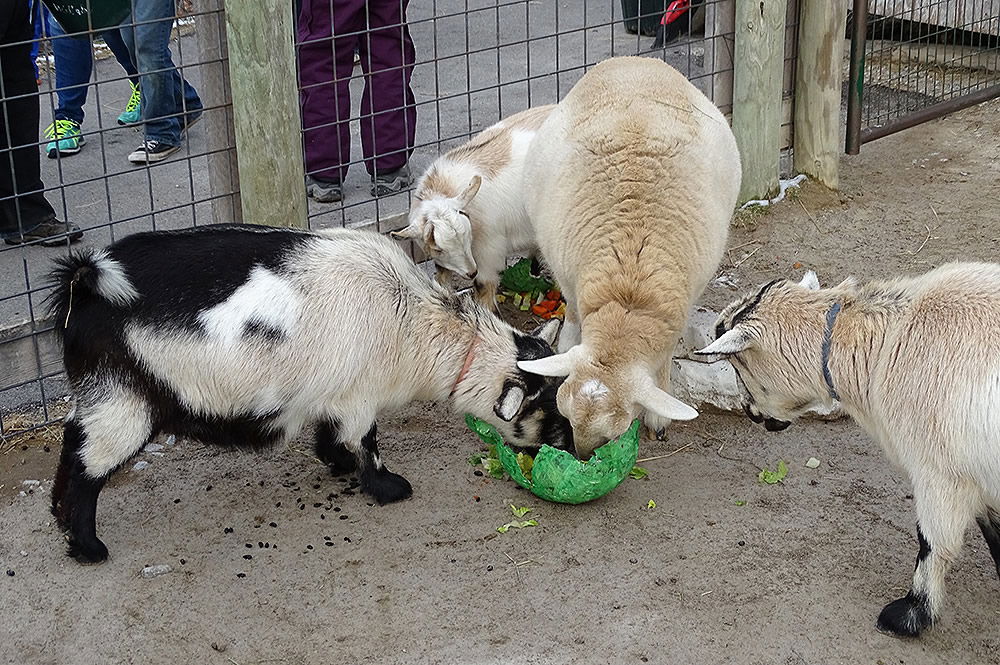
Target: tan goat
{"x": 914, "y": 361}
{"x": 631, "y": 184}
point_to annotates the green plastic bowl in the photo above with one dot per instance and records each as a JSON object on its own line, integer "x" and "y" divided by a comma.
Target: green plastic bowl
{"x": 557, "y": 475}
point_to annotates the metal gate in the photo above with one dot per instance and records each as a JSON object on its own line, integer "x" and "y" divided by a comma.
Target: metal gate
{"x": 916, "y": 60}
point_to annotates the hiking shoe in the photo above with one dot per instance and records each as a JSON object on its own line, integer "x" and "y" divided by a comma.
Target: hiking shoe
{"x": 50, "y": 234}
{"x": 323, "y": 191}
{"x": 66, "y": 138}
{"x": 132, "y": 115}
{"x": 152, "y": 151}
{"x": 385, "y": 184}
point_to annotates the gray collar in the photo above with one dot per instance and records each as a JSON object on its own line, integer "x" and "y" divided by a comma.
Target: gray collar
{"x": 831, "y": 318}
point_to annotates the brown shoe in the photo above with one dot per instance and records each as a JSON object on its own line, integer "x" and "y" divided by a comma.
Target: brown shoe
{"x": 50, "y": 234}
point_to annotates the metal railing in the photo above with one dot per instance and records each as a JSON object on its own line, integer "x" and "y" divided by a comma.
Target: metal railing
{"x": 916, "y": 60}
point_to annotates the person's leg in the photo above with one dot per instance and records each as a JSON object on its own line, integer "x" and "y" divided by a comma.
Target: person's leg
{"x": 388, "y": 112}
{"x": 74, "y": 65}
{"x": 132, "y": 115}
{"x": 163, "y": 92}
{"x": 113, "y": 38}
{"x": 25, "y": 214}
{"x": 325, "y": 67}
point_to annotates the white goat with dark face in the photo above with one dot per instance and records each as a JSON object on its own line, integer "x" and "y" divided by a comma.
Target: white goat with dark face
{"x": 468, "y": 212}
{"x": 913, "y": 361}
{"x": 243, "y": 336}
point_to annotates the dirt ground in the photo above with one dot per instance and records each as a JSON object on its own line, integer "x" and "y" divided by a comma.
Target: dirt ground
{"x": 275, "y": 561}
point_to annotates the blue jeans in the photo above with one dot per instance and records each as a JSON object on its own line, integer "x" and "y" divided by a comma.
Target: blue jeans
{"x": 74, "y": 63}
{"x": 169, "y": 103}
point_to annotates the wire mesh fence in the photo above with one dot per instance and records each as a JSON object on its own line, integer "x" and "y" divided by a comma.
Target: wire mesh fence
{"x": 471, "y": 64}
{"x": 920, "y": 59}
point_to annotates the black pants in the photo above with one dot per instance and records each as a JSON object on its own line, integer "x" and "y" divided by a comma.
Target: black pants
{"x": 22, "y": 204}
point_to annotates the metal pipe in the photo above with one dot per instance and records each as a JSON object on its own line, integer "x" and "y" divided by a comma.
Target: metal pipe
{"x": 856, "y": 77}
{"x": 928, "y": 113}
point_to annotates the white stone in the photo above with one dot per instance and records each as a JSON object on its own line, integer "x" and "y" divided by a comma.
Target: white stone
{"x": 31, "y": 484}
{"x": 23, "y": 553}
{"x": 149, "y": 572}
{"x": 153, "y": 447}
{"x": 698, "y": 384}
{"x": 140, "y": 465}
{"x": 171, "y": 440}
{"x": 698, "y": 333}
{"x": 812, "y": 463}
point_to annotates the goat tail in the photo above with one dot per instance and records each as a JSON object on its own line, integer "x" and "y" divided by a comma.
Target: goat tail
{"x": 91, "y": 273}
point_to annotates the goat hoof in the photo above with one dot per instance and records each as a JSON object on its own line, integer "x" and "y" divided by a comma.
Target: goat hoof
{"x": 906, "y": 617}
{"x": 341, "y": 461}
{"x": 386, "y": 486}
{"x": 90, "y": 552}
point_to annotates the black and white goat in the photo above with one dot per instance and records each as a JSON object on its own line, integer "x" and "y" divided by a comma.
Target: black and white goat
{"x": 244, "y": 335}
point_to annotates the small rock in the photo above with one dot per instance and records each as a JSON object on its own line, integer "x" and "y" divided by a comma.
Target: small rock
{"x": 219, "y": 647}
{"x": 140, "y": 465}
{"x": 153, "y": 447}
{"x": 22, "y": 493}
{"x": 171, "y": 440}
{"x": 31, "y": 484}
{"x": 812, "y": 463}
{"x": 149, "y": 572}
{"x": 23, "y": 553}
{"x": 10, "y": 573}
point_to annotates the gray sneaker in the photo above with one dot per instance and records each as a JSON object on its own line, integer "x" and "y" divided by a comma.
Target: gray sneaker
{"x": 324, "y": 192}
{"x": 384, "y": 184}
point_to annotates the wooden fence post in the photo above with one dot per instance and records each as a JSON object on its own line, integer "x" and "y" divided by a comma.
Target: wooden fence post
{"x": 818, "y": 89}
{"x": 758, "y": 65}
{"x": 264, "y": 82}
{"x": 220, "y": 137}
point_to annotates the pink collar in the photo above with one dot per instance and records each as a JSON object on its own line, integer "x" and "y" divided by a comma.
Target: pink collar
{"x": 468, "y": 363}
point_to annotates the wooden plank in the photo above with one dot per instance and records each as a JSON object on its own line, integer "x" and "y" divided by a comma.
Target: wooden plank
{"x": 720, "y": 25}
{"x": 220, "y": 135}
{"x": 757, "y": 91}
{"x": 818, "y": 90}
{"x": 20, "y": 360}
{"x": 265, "y": 92}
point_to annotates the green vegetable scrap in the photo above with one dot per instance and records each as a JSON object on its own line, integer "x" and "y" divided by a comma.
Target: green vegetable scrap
{"x": 519, "y": 512}
{"x": 489, "y": 461}
{"x": 518, "y": 278}
{"x": 525, "y": 462}
{"x": 740, "y": 502}
{"x": 556, "y": 475}
{"x": 504, "y": 528}
{"x": 771, "y": 477}
{"x": 638, "y": 473}
{"x": 650, "y": 505}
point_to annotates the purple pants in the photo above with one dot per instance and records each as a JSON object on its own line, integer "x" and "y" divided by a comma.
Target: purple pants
{"x": 328, "y": 33}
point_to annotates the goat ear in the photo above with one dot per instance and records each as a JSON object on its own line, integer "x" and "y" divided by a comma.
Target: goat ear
{"x": 509, "y": 403}
{"x": 732, "y": 341}
{"x": 810, "y": 281}
{"x": 659, "y": 402}
{"x": 470, "y": 191}
{"x": 548, "y": 331}
{"x": 558, "y": 365}
{"x": 406, "y": 233}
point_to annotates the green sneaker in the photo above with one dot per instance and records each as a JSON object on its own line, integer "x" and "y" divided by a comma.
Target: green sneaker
{"x": 66, "y": 138}
{"x": 132, "y": 115}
